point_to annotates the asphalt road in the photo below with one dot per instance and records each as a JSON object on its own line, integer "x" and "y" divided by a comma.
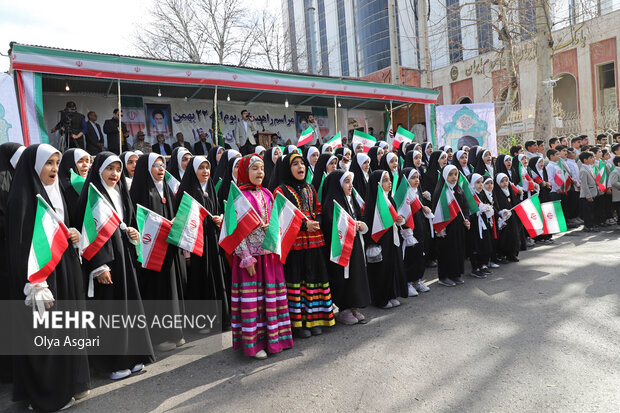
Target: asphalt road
{"x": 542, "y": 335}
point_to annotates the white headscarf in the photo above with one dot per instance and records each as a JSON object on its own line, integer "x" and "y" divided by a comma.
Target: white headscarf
{"x": 498, "y": 179}
{"x": 18, "y": 154}
{"x": 259, "y": 149}
{"x": 44, "y": 152}
{"x": 389, "y": 157}
{"x": 414, "y": 171}
{"x": 489, "y": 194}
{"x": 180, "y": 154}
{"x": 128, "y": 155}
{"x": 383, "y": 145}
{"x": 311, "y": 151}
{"x": 345, "y": 151}
{"x": 331, "y": 158}
{"x": 292, "y": 149}
{"x": 112, "y": 191}
{"x": 273, "y": 154}
{"x": 472, "y": 184}
{"x": 355, "y": 145}
{"x": 446, "y": 171}
{"x": 138, "y": 152}
{"x": 459, "y": 154}
{"x": 233, "y": 154}
{"x": 79, "y": 154}
{"x": 235, "y": 163}
{"x": 361, "y": 159}
{"x": 381, "y": 179}
{"x": 324, "y": 147}
{"x": 345, "y": 175}
{"x": 158, "y": 184}
{"x": 196, "y": 162}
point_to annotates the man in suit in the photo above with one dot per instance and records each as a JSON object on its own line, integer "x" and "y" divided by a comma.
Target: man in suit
{"x": 181, "y": 142}
{"x": 94, "y": 134}
{"x": 244, "y": 133}
{"x": 110, "y": 128}
{"x": 161, "y": 147}
{"x": 588, "y": 192}
{"x": 202, "y": 147}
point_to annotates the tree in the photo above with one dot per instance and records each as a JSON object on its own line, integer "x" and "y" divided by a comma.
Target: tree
{"x": 272, "y": 47}
{"x": 200, "y": 31}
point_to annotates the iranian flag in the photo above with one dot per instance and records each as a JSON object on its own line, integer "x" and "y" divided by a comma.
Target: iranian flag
{"x": 553, "y": 217}
{"x": 359, "y": 199}
{"x": 283, "y": 227}
{"x": 567, "y": 179}
{"x": 154, "y": 230}
{"x": 100, "y": 222}
{"x": 402, "y": 200}
{"x": 601, "y": 177}
{"x": 172, "y": 182}
{"x": 217, "y": 185}
{"x": 559, "y": 178}
{"x": 319, "y": 193}
{"x": 343, "y": 236}
{"x": 77, "y": 182}
{"x": 305, "y": 137}
{"x": 402, "y": 136}
{"x": 309, "y": 175}
{"x": 187, "y": 229}
{"x": 446, "y": 210}
{"x": 525, "y": 181}
{"x": 384, "y": 217}
{"x": 471, "y": 198}
{"x": 49, "y": 242}
{"x": 365, "y": 139}
{"x": 387, "y": 126}
{"x": 336, "y": 141}
{"x": 240, "y": 219}
{"x": 529, "y": 213}
{"x": 416, "y": 205}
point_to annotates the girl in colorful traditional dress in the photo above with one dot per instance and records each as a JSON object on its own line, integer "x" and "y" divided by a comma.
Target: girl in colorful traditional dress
{"x": 307, "y": 281}
{"x": 259, "y": 310}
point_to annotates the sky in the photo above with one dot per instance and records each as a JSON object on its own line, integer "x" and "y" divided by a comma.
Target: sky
{"x": 96, "y": 26}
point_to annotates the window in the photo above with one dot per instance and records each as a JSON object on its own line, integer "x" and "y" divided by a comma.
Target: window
{"x": 373, "y": 36}
{"x": 485, "y": 35}
{"x": 323, "y": 39}
{"x": 606, "y": 74}
{"x": 342, "y": 33}
{"x": 527, "y": 17}
{"x": 455, "y": 38}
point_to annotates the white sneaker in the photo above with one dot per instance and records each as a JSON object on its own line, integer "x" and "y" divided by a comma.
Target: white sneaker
{"x": 411, "y": 291}
{"x": 166, "y": 346}
{"x": 180, "y": 343}
{"x": 493, "y": 265}
{"x": 121, "y": 374}
{"x": 421, "y": 287}
{"x": 388, "y": 305}
{"x": 137, "y": 368}
{"x": 394, "y": 302}
{"x": 261, "y": 355}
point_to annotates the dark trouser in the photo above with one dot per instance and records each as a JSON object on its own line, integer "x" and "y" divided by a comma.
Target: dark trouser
{"x": 587, "y": 212}
{"x": 616, "y": 207}
{"x": 247, "y": 148}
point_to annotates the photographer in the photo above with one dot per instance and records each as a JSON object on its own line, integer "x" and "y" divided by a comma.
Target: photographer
{"x": 72, "y": 126}
{"x": 110, "y": 128}
{"x": 244, "y": 133}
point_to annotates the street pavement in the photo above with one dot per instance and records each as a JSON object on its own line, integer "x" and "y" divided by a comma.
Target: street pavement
{"x": 541, "y": 335}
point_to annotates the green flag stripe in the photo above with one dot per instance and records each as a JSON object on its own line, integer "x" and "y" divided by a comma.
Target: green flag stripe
{"x": 336, "y": 245}
{"x": 40, "y": 243}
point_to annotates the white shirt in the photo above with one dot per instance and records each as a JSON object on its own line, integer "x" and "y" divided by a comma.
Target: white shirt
{"x": 95, "y": 128}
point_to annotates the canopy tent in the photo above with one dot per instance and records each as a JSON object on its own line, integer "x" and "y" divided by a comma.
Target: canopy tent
{"x": 49, "y": 70}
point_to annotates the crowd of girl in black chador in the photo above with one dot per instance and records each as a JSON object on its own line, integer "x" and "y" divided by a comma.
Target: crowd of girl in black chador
{"x": 266, "y": 303}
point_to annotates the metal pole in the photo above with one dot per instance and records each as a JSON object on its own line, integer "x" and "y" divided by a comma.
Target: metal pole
{"x": 336, "y": 114}
{"x": 395, "y": 67}
{"x": 215, "y": 134}
{"x": 425, "y": 60}
{"x": 120, "y": 125}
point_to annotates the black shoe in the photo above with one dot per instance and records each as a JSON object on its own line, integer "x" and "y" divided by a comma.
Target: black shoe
{"x": 431, "y": 264}
{"x": 513, "y": 259}
{"x": 477, "y": 274}
{"x": 502, "y": 261}
{"x": 446, "y": 282}
{"x": 316, "y": 331}
{"x": 302, "y": 332}
{"x": 459, "y": 280}
{"x": 486, "y": 271}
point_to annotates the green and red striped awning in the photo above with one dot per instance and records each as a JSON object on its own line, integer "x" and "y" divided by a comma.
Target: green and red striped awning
{"x": 95, "y": 65}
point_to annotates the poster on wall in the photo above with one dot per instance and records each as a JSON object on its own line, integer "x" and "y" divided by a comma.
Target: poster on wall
{"x": 10, "y": 124}
{"x": 159, "y": 121}
{"x": 301, "y": 122}
{"x": 322, "y": 120}
{"x": 469, "y": 124}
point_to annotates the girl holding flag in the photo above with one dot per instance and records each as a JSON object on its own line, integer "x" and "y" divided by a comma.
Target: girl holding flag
{"x": 450, "y": 238}
{"x": 349, "y": 284}
{"x": 78, "y": 161}
{"x": 48, "y": 382}
{"x": 307, "y": 281}
{"x": 508, "y": 238}
{"x": 111, "y": 272}
{"x": 150, "y": 190}
{"x": 205, "y": 276}
{"x": 414, "y": 254}
{"x": 259, "y": 310}
{"x": 386, "y": 273}
{"x": 479, "y": 235}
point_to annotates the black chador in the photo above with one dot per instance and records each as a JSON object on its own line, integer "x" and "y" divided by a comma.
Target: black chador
{"x": 47, "y": 382}
{"x": 205, "y": 276}
{"x": 71, "y": 195}
{"x": 118, "y": 256}
{"x": 167, "y": 286}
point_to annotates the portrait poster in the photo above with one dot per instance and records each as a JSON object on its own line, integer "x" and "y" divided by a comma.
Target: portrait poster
{"x": 467, "y": 124}
{"x": 159, "y": 120}
{"x": 301, "y": 122}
